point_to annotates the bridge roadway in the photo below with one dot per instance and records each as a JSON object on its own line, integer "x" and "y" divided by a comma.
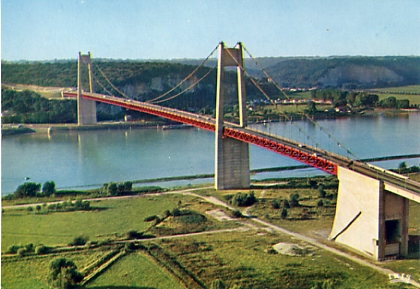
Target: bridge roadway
{"x": 309, "y": 155}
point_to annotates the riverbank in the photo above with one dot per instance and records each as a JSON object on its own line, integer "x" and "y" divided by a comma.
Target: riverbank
{"x": 51, "y": 128}
{"x": 14, "y": 129}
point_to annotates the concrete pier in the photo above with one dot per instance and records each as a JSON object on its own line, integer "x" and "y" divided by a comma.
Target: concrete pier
{"x": 369, "y": 218}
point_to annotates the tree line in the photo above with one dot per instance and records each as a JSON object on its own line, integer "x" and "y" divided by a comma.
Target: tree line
{"x": 357, "y": 99}
{"x": 29, "y": 107}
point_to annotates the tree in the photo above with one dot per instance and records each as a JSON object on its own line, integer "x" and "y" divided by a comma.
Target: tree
{"x": 402, "y": 166}
{"x": 48, "y": 188}
{"x": 284, "y": 213}
{"x": 112, "y": 189}
{"x": 28, "y": 189}
{"x": 294, "y": 200}
{"x": 311, "y": 107}
{"x": 64, "y": 274}
{"x": 321, "y": 191}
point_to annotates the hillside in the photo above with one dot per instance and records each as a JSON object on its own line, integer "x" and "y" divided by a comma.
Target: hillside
{"x": 146, "y": 80}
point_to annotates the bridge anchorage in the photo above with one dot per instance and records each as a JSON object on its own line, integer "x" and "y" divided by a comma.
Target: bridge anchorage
{"x": 372, "y": 205}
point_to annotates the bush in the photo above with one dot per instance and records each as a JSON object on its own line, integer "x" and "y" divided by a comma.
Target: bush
{"x": 13, "y": 249}
{"x": 130, "y": 246}
{"x": 244, "y": 200}
{"x": 150, "y": 218}
{"x": 275, "y": 204}
{"x": 79, "y": 241}
{"x": 134, "y": 235}
{"x": 41, "y": 249}
{"x": 237, "y": 214}
{"x": 320, "y": 203}
{"x": 21, "y": 252}
{"x": 294, "y": 200}
{"x": 321, "y": 191}
{"x": 176, "y": 212}
{"x": 283, "y": 213}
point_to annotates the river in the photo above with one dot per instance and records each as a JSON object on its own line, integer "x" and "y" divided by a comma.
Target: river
{"x": 91, "y": 158}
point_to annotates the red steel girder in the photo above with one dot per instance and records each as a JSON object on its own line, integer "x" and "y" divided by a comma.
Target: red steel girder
{"x": 179, "y": 116}
{"x": 282, "y": 149}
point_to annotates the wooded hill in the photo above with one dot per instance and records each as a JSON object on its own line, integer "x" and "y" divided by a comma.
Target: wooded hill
{"x": 342, "y": 72}
{"x": 147, "y": 80}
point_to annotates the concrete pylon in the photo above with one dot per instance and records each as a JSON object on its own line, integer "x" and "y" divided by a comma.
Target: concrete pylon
{"x": 369, "y": 218}
{"x": 232, "y": 156}
{"x": 86, "y": 109}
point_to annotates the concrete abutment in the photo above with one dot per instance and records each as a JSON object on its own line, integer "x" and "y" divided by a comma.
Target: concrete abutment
{"x": 369, "y": 218}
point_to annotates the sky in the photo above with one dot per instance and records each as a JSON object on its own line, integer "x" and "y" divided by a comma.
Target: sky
{"x": 173, "y": 29}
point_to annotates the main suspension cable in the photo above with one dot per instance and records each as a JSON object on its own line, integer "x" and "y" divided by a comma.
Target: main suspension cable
{"x": 271, "y": 101}
{"x": 188, "y": 88}
{"x": 306, "y": 115}
{"x": 113, "y": 86}
{"x": 101, "y": 85}
{"x": 185, "y": 79}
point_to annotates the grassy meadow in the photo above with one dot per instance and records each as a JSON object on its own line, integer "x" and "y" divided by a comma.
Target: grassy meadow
{"x": 242, "y": 258}
{"x": 112, "y": 217}
{"x": 136, "y": 270}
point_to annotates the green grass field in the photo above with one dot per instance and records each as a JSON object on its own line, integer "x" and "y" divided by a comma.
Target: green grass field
{"x": 241, "y": 259}
{"x": 117, "y": 217}
{"x": 32, "y": 272}
{"x": 401, "y": 89}
{"x": 135, "y": 271}
{"x": 238, "y": 258}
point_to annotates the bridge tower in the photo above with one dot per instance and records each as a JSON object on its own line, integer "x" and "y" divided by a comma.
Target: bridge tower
{"x": 86, "y": 109}
{"x": 232, "y": 156}
{"x": 371, "y": 215}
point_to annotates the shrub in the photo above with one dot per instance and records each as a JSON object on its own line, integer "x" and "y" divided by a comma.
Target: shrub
{"x": 284, "y": 213}
{"x": 294, "y": 200}
{"x": 150, "y": 218}
{"x": 30, "y": 209}
{"x": 130, "y": 246}
{"x": 134, "y": 235}
{"x": 79, "y": 241}
{"x": 236, "y": 214}
{"x": 275, "y": 204}
{"x": 320, "y": 203}
{"x": 29, "y": 247}
{"x": 176, "y": 212}
{"x": 244, "y": 200}
{"x": 21, "y": 252}
{"x": 13, "y": 249}
{"x": 321, "y": 191}
{"x": 41, "y": 249}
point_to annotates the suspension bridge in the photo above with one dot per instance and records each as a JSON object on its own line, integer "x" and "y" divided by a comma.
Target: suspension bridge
{"x": 372, "y": 204}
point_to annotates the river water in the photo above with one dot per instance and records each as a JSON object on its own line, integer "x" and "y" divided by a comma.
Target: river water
{"x": 91, "y": 158}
